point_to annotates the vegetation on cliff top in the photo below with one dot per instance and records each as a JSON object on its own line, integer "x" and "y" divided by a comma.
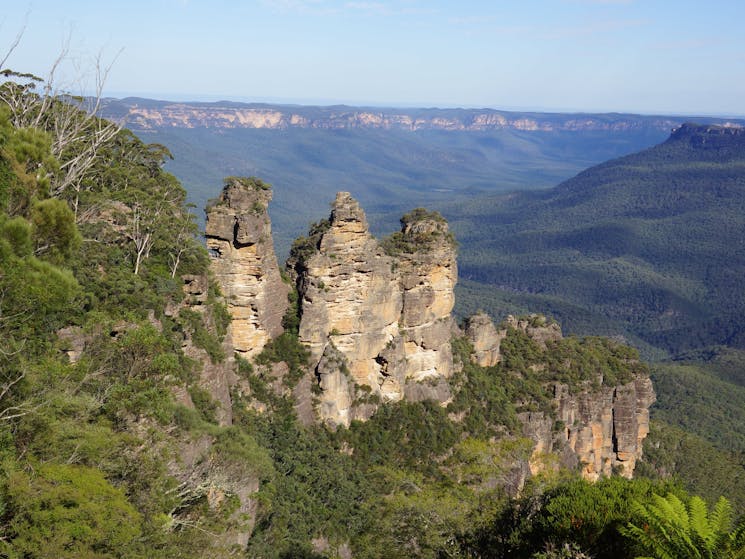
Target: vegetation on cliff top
{"x": 94, "y": 240}
{"x": 421, "y": 230}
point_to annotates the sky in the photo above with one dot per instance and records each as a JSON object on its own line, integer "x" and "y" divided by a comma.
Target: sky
{"x": 641, "y": 56}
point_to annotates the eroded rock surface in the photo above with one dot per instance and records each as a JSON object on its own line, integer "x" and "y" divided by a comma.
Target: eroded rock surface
{"x": 239, "y": 239}
{"x": 485, "y": 338}
{"x": 599, "y": 428}
{"x": 384, "y": 309}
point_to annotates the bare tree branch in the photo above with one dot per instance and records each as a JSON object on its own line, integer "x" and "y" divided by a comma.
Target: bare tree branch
{"x": 15, "y": 42}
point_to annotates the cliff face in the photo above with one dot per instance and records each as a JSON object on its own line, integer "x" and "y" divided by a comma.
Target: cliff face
{"x": 215, "y": 377}
{"x": 601, "y": 431}
{"x": 239, "y": 239}
{"x": 598, "y": 428}
{"x": 148, "y": 114}
{"x": 377, "y": 317}
{"x": 485, "y": 339}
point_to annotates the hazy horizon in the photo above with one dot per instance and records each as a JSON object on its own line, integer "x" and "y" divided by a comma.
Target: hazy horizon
{"x": 187, "y": 98}
{"x": 592, "y": 56}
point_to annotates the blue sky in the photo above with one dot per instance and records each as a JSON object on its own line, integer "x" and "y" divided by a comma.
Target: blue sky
{"x": 649, "y": 56}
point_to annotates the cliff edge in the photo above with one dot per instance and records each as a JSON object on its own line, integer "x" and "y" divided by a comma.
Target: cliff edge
{"x": 239, "y": 239}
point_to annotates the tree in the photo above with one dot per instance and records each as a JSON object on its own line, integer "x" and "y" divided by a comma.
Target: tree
{"x": 70, "y": 511}
{"x": 669, "y": 528}
{"x": 78, "y": 135}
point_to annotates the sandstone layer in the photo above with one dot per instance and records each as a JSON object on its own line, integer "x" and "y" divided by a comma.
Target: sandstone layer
{"x": 598, "y": 429}
{"x": 239, "y": 239}
{"x": 140, "y": 114}
{"x": 485, "y": 339}
{"x": 376, "y": 318}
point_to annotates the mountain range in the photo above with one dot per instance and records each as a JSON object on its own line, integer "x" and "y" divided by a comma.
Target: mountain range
{"x": 389, "y": 159}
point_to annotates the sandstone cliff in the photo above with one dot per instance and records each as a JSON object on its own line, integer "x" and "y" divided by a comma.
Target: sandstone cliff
{"x": 376, "y": 318}
{"x": 239, "y": 239}
{"x": 148, "y": 114}
{"x": 593, "y": 426}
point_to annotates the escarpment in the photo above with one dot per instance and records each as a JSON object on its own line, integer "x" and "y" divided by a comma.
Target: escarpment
{"x": 596, "y": 413}
{"x": 239, "y": 238}
{"x": 375, "y": 317}
{"x": 379, "y": 311}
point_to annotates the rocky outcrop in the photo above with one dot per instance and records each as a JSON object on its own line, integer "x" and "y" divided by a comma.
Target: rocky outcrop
{"x": 384, "y": 308}
{"x": 599, "y": 429}
{"x": 601, "y": 432}
{"x": 537, "y": 327}
{"x": 239, "y": 239}
{"x": 427, "y": 276}
{"x": 376, "y": 318}
{"x": 485, "y": 339}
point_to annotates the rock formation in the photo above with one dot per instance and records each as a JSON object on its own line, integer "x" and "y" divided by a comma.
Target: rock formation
{"x": 376, "y": 318}
{"x": 239, "y": 239}
{"x": 485, "y": 339}
{"x": 600, "y": 429}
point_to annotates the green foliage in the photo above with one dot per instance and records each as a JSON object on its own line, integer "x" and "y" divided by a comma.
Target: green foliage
{"x": 286, "y": 347}
{"x": 420, "y": 230}
{"x": 670, "y": 528}
{"x": 689, "y": 397}
{"x": 37, "y": 297}
{"x": 254, "y": 183}
{"x": 204, "y": 404}
{"x": 55, "y": 232}
{"x": 70, "y": 511}
{"x": 576, "y": 513}
{"x": 305, "y": 247}
{"x": 701, "y": 467}
{"x": 484, "y": 395}
{"x": 201, "y": 335}
{"x": 417, "y": 521}
{"x": 16, "y": 232}
{"x": 291, "y": 319}
{"x": 240, "y": 456}
{"x": 90, "y": 354}
{"x": 487, "y": 464}
{"x": 578, "y": 360}
{"x": 406, "y": 435}
{"x": 317, "y": 490}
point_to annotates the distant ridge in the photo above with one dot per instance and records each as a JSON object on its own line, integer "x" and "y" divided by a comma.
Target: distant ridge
{"x": 147, "y": 114}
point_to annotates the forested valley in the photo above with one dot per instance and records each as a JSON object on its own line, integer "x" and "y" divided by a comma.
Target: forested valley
{"x": 112, "y": 446}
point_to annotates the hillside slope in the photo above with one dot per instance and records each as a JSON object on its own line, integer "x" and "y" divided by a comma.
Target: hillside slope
{"x": 648, "y": 246}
